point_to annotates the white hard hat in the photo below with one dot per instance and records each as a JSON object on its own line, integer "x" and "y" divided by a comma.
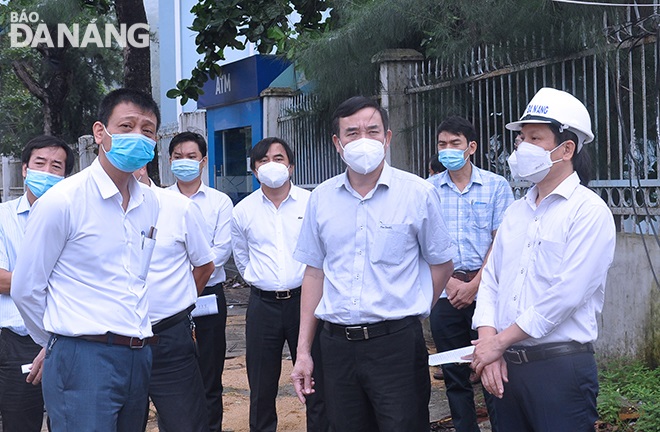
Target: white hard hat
{"x": 561, "y": 109}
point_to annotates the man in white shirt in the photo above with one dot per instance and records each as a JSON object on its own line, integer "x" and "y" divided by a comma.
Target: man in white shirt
{"x": 188, "y": 158}
{"x": 46, "y": 160}
{"x": 264, "y": 231}
{"x": 378, "y": 256}
{"x": 79, "y": 280}
{"x": 181, "y": 245}
{"x": 544, "y": 281}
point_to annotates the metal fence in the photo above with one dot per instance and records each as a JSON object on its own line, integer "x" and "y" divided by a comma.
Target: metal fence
{"x": 617, "y": 81}
{"x": 618, "y": 86}
{"x": 311, "y": 138}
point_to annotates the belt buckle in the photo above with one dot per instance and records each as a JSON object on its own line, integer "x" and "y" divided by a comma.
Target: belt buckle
{"x": 365, "y": 332}
{"x": 461, "y": 275}
{"x": 141, "y": 343}
{"x": 283, "y": 295}
{"x": 517, "y": 356}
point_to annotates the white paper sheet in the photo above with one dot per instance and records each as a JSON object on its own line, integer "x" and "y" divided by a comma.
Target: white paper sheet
{"x": 205, "y": 305}
{"x": 453, "y": 356}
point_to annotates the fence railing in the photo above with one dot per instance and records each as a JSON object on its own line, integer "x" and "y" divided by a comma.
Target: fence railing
{"x": 311, "y": 138}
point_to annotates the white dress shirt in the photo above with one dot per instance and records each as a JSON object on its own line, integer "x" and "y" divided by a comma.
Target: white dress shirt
{"x": 83, "y": 263}
{"x": 548, "y": 266}
{"x": 13, "y": 218}
{"x": 182, "y": 241}
{"x": 375, "y": 251}
{"x": 216, "y": 208}
{"x": 264, "y": 237}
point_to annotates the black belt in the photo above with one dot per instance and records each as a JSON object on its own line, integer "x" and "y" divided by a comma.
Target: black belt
{"x": 369, "y": 331}
{"x": 173, "y": 320}
{"x": 115, "y": 339}
{"x": 464, "y": 275}
{"x": 276, "y": 295}
{"x": 521, "y": 354}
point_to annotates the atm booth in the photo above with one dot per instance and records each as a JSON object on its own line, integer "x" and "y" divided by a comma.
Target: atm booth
{"x": 234, "y": 121}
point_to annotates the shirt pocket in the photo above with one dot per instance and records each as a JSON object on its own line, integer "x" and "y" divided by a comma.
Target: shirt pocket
{"x": 145, "y": 256}
{"x": 480, "y": 214}
{"x": 390, "y": 243}
{"x": 549, "y": 257}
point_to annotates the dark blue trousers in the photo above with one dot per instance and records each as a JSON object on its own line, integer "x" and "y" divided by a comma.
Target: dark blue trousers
{"x": 93, "y": 386}
{"x": 557, "y": 394}
{"x": 212, "y": 344}
{"x": 21, "y": 404}
{"x": 270, "y": 323}
{"x": 176, "y": 387}
{"x": 452, "y": 328}
{"x": 377, "y": 385}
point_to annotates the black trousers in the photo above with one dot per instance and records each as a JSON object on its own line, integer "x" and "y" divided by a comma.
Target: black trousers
{"x": 176, "y": 387}
{"x": 557, "y": 394}
{"x": 452, "y": 328}
{"x": 380, "y": 384}
{"x": 270, "y": 323}
{"x": 212, "y": 345}
{"x": 21, "y": 404}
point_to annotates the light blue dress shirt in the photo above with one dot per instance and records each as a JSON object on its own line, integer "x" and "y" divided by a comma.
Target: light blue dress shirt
{"x": 13, "y": 218}
{"x": 471, "y": 215}
{"x": 375, "y": 251}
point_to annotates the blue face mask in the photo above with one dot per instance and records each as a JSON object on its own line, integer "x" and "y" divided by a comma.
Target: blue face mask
{"x": 452, "y": 159}
{"x": 185, "y": 169}
{"x": 130, "y": 151}
{"x": 39, "y": 181}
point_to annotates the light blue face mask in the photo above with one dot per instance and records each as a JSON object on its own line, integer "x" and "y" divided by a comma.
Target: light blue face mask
{"x": 39, "y": 181}
{"x": 130, "y": 151}
{"x": 185, "y": 169}
{"x": 453, "y": 159}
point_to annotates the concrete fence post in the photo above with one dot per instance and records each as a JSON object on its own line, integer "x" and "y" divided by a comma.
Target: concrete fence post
{"x": 395, "y": 71}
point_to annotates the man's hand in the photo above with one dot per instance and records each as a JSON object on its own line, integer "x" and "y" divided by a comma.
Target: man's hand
{"x": 461, "y": 294}
{"x": 487, "y": 350}
{"x": 493, "y": 377}
{"x": 301, "y": 376}
{"x": 34, "y": 376}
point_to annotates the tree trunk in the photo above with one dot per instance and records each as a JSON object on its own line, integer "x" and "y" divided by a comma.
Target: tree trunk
{"x": 137, "y": 62}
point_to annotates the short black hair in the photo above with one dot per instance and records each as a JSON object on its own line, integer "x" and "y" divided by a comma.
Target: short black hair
{"x": 188, "y": 136}
{"x": 435, "y": 164}
{"x": 261, "y": 148}
{"x": 44, "y": 141}
{"x": 351, "y": 106}
{"x": 581, "y": 160}
{"x": 125, "y": 95}
{"x": 458, "y": 126}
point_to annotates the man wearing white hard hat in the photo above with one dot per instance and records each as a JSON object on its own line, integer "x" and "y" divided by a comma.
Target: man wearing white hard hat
{"x": 544, "y": 282}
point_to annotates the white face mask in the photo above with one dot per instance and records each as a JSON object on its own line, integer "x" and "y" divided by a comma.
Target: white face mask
{"x": 530, "y": 162}
{"x": 273, "y": 174}
{"x": 363, "y": 155}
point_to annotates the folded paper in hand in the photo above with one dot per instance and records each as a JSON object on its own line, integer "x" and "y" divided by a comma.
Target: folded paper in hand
{"x": 205, "y": 305}
{"x": 453, "y": 356}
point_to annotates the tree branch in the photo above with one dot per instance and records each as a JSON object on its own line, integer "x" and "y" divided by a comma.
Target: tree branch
{"x": 23, "y": 73}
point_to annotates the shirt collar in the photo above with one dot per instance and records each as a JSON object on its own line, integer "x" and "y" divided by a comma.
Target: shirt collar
{"x": 293, "y": 194}
{"x": 23, "y": 205}
{"x": 565, "y": 189}
{"x": 475, "y": 177}
{"x": 384, "y": 179}
{"x": 108, "y": 188}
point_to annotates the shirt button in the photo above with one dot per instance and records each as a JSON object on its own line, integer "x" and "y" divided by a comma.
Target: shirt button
{"x": 357, "y": 277}
{"x": 522, "y": 271}
{"x": 529, "y": 244}
{"x": 515, "y": 298}
{"x": 536, "y": 219}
